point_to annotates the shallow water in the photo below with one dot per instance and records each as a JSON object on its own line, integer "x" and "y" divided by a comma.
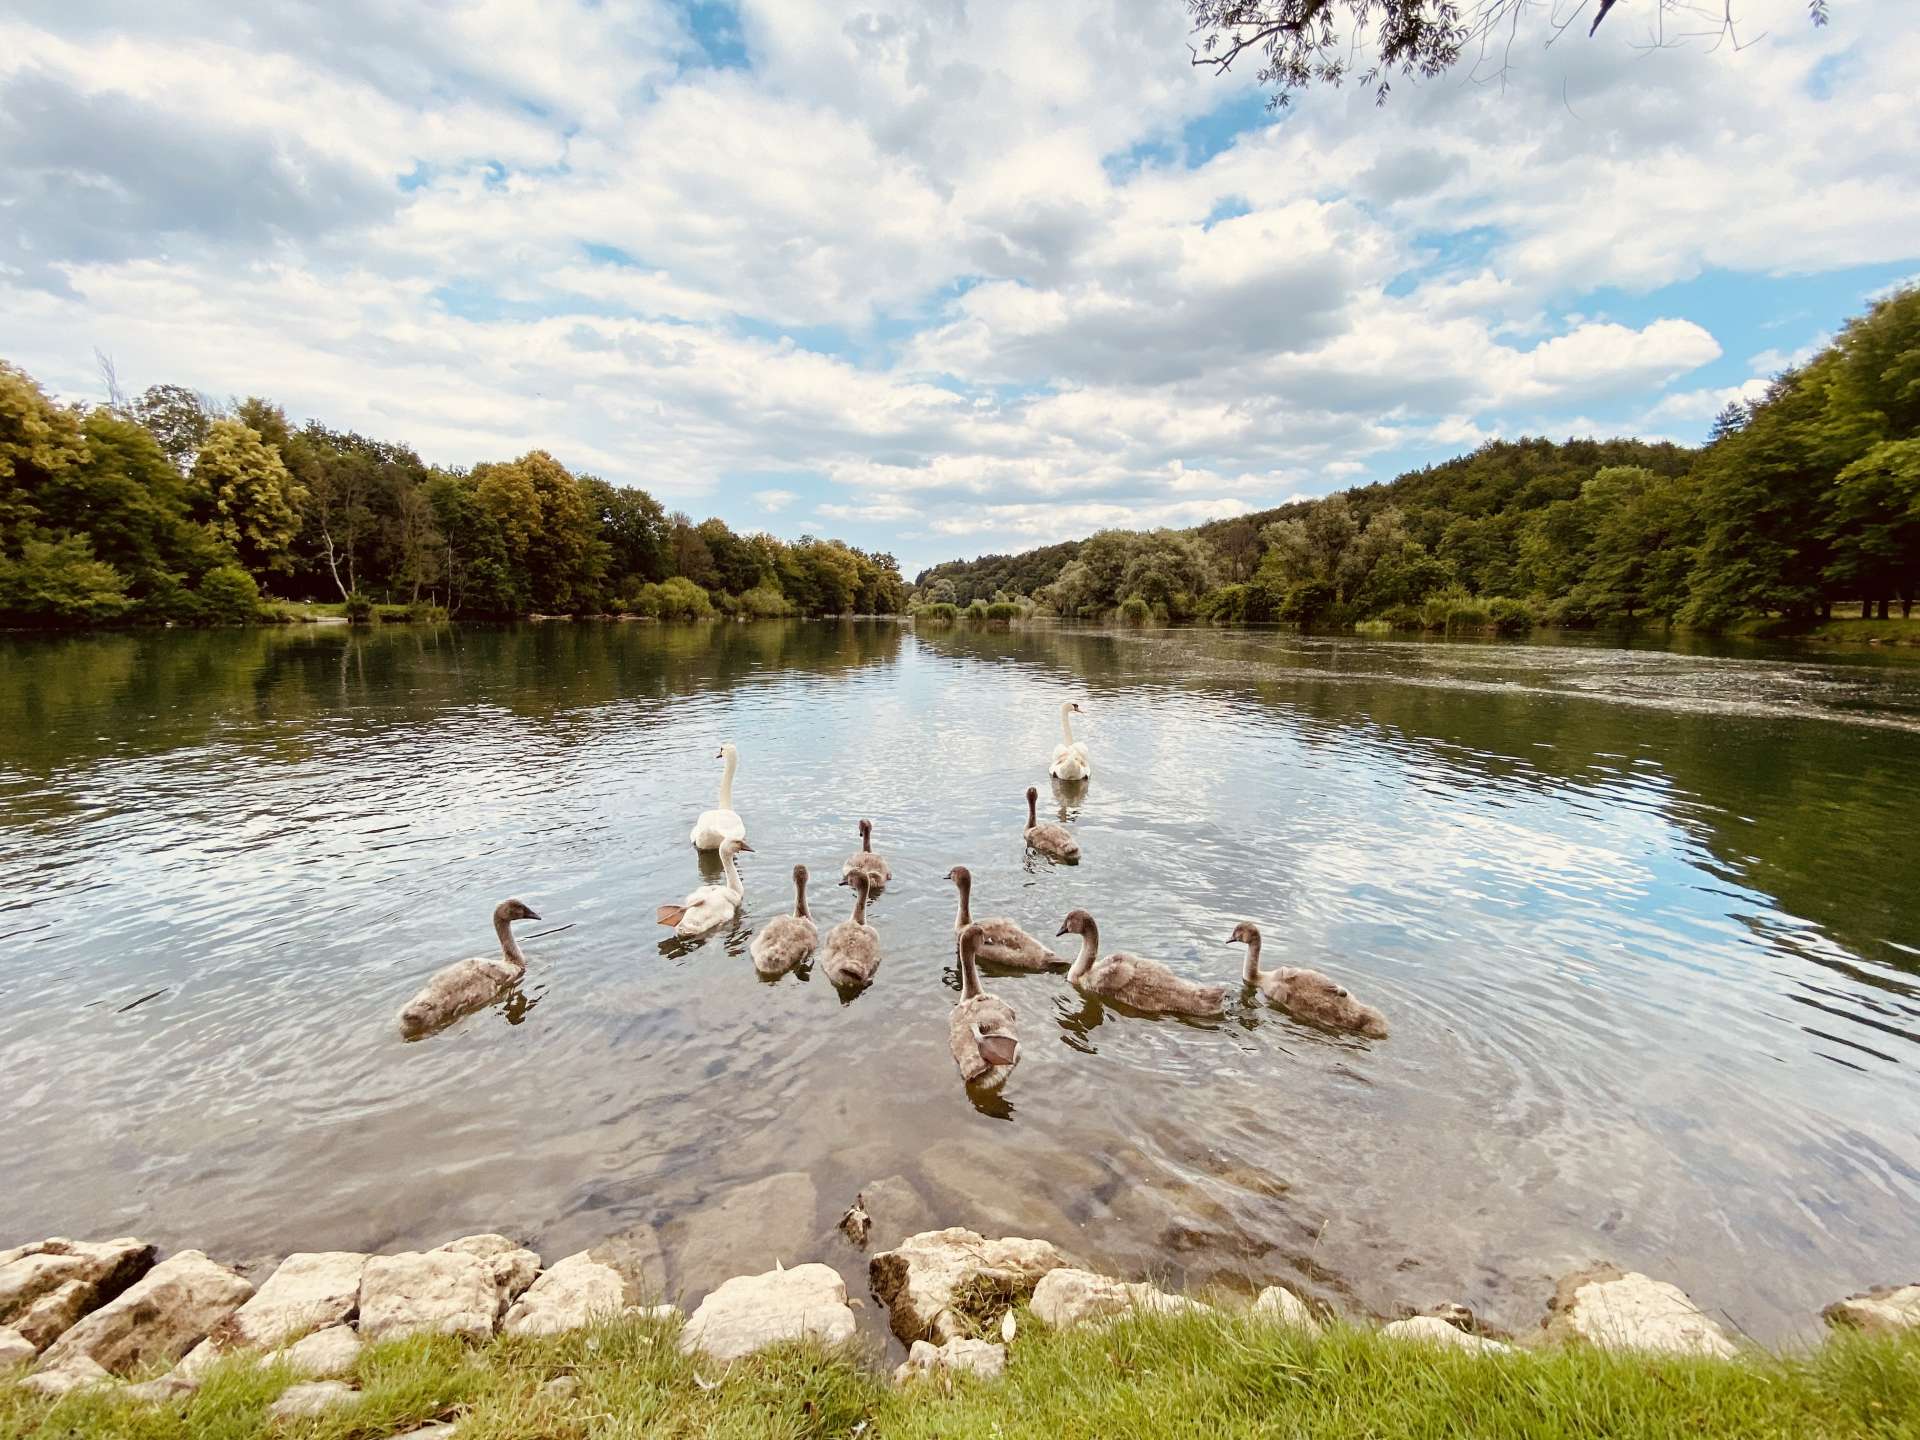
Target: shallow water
{"x": 1646, "y": 925}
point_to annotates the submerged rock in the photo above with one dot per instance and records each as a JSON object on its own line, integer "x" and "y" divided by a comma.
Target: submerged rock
{"x": 574, "y": 1293}
{"x": 1432, "y": 1330}
{"x": 1625, "y": 1310}
{"x": 309, "y": 1291}
{"x": 1065, "y": 1298}
{"x": 745, "y": 1229}
{"x": 1881, "y": 1310}
{"x": 157, "y": 1318}
{"x": 48, "y": 1285}
{"x": 1282, "y": 1306}
{"x": 316, "y": 1397}
{"x": 636, "y": 1257}
{"x": 943, "y": 1284}
{"x": 751, "y": 1312}
{"x": 961, "y": 1355}
{"x": 895, "y": 1209}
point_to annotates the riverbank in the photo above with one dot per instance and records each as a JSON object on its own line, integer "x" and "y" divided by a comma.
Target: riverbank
{"x": 1008, "y": 1338}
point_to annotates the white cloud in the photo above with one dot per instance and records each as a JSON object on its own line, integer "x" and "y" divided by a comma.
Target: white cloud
{"x": 913, "y": 251}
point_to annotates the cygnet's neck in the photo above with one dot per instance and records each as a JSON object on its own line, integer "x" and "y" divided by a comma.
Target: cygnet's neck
{"x": 503, "y": 927}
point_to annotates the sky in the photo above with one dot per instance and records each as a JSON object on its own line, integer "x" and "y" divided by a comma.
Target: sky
{"x": 938, "y": 278}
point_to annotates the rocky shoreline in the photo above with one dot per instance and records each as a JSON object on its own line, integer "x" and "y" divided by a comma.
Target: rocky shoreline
{"x": 80, "y": 1314}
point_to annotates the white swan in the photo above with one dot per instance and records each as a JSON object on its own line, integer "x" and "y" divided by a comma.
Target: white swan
{"x": 711, "y": 906}
{"x": 715, "y": 827}
{"x": 466, "y": 985}
{"x": 1070, "y": 759}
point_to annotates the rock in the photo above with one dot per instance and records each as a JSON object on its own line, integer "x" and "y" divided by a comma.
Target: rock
{"x": 1283, "y": 1307}
{"x": 661, "y": 1313}
{"x": 1432, "y": 1330}
{"x": 171, "y": 1386}
{"x": 514, "y": 1267}
{"x": 316, "y": 1397}
{"x": 448, "y": 1292}
{"x": 157, "y": 1318}
{"x": 309, "y": 1291}
{"x": 1461, "y": 1317}
{"x": 324, "y": 1354}
{"x": 15, "y": 1350}
{"x": 76, "y": 1374}
{"x": 1065, "y": 1298}
{"x": 988, "y": 1188}
{"x": 434, "y": 1430}
{"x": 1624, "y": 1310}
{"x": 751, "y": 1312}
{"x": 46, "y": 1286}
{"x": 942, "y": 1284}
{"x": 573, "y": 1294}
{"x": 561, "y": 1387}
{"x": 964, "y": 1355}
{"x": 1882, "y": 1310}
{"x": 745, "y": 1229}
{"x": 635, "y": 1255}
{"x": 895, "y": 1210}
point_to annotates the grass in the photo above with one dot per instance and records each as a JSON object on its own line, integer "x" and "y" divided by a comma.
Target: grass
{"x": 1187, "y": 1376}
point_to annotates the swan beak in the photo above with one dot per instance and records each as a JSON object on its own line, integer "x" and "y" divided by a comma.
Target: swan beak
{"x": 744, "y": 849}
{"x": 719, "y": 754}
{"x": 1061, "y": 931}
{"x": 532, "y": 914}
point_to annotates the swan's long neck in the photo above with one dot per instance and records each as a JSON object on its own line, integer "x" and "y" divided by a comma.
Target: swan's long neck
{"x": 866, "y": 840}
{"x": 733, "y": 875}
{"x": 1252, "y": 973}
{"x": 965, "y": 917}
{"x": 969, "y": 977}
{"x": 859, "y": 904}
{"x": 1066, "y": 724}
{"x": 1089, "y": 952}
{"x": 509, "y": 946}
{"x": 800, "y": 900}
{"x": 726, "y": 783}
{"x": 1033, "y": 811}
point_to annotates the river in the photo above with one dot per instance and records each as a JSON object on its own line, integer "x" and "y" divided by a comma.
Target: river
{"x": 1646, "y": 924}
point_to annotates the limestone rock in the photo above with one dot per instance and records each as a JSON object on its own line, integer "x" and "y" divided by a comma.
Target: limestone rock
{"x": 1283, "y": 1307}
{"x": 171, "y": 1386}
{"x": 1065, "y": 1298}
{"x": 561, "y": 1387}
{"x": 751, "y": 1312}
{"x": 942, "y": 1284}
{"x": 1625, "y": 1310}
{"x": 316, "y": 1397}
{"x": 972, "y": 1357}
{"x": 325, "y": 1353}
{"x": 661, "y": 1313}
{"x": 449, "y": 1292}
{"x": 513, "y": 1266}
{"x": 574, "y": 1293}
{"x": 1432, "y": 1330}
{"x": 157, "y": 1318}
{"x": 745, "y": 1229}
{"x": 310, "y": 1291}
{"x": 1883, "y": 1309}
{"x": 48, "y": 1285}
{"x": 15, "y": 1350}
{"x": 433, "y": 1430}
{"x": 635, "y": 1256}
{"x": 76, "y": 1374}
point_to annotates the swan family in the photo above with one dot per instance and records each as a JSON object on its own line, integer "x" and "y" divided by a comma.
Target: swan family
{"x": 982, "y": 1027}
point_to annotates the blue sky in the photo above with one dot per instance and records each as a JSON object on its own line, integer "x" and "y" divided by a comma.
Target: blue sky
{"x": 939, "y": 278}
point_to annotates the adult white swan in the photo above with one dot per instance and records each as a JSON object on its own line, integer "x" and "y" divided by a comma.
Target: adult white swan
{"x": 715, "y": 827}
{"x": 711, "y": 906}
{"x": 1070, "y": 758}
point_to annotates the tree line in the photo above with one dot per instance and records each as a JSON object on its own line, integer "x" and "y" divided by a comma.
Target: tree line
{"x": 169, "y": 508}
{"x": 1804, "y": 499}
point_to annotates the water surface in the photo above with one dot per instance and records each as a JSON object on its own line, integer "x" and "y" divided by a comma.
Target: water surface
{"x": 1646, "y": 925}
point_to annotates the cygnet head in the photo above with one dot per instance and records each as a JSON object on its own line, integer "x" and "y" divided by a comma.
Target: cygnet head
{"x": 800, "y": 875}
{"x": 736, "y": 847}
{"x": 866, "y": 830}
{"x": 1078, "y": 922}
{"x": 960, "y": 876}
{"x": 1033, "y": 793}
{"x": 511, "y": 910}
{"x": 1245, "y": 933}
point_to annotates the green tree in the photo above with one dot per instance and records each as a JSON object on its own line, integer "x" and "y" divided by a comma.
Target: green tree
{"x": 1873, "y": 525}
{"x": 59, "y": 582}
{"x": 1170, "y": 571}
{"x": 38, "y": 440}
{"x": 180, "y": 419}
{"x": 253, "y": 503}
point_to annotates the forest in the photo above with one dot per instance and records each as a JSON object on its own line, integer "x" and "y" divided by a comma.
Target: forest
{"x": 1804, "y": 499}
{"x": 168, "y": 508}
